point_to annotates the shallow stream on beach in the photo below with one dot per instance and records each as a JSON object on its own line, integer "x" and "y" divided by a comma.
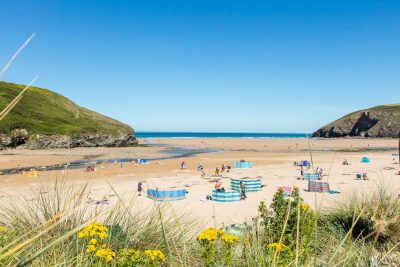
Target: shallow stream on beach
{"x": 169, "y": 151}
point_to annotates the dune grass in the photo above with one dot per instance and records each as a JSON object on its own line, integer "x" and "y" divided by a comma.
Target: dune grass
{"x": 47, "y": 231}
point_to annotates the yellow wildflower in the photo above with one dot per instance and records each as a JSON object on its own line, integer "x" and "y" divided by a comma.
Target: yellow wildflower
{"x": 93, "y": 241}
{"x": 155, "y": 255}
{"x": 90, "y": 248}
{"x": 93, "y": 230}
{"x": 2, "y": 229}
{"x": 209, "y": 235}
{"x": 277, "y": 246}
{"x": 304, "y": 207}
{"x": 106, "y": 254}
{"x": 229, "y": 239}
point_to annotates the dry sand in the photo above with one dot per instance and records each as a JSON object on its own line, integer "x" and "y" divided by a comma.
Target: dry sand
{"x": 272, "y": 161}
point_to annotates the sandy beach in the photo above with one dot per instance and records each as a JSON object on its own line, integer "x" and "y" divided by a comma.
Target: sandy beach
{"x": 272, "y": 163}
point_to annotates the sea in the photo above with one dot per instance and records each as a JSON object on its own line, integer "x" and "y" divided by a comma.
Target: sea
{"x": 218, "y": 135}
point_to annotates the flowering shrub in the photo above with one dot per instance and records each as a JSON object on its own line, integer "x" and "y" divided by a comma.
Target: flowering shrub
{"x": 283, "y": 221}
{"x": 216, "y": 242}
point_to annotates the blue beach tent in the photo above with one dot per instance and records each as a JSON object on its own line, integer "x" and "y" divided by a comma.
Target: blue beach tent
{"x": 304, "y": 163}
{"x": 365, "y": 160}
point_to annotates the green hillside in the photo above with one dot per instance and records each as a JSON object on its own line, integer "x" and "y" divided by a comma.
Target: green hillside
{"x": 42, "y": 111}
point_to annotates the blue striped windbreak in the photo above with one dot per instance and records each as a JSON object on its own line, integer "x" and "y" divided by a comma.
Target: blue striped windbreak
{"x": 166, "y": 195}
{"x": 311, "y": 176}
{"x": 225, "y": 196}
{"x": 251, "y": 185}
{"x": 245, "y": 164}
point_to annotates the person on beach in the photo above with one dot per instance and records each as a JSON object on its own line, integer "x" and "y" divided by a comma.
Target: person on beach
{"x": 140, "y": 188}
{"x": 302, "y": 173}
{"x": 242, "y": 191}
{"x": 217, "y": 172}
{"x": 200, "y": 167}
{"x": 223, "y": 167}
{"x": 228, "y": 168}
{"x": 320, "y": 173}
{"x": 218, "y": 186}
{"x": 183, "y": 165}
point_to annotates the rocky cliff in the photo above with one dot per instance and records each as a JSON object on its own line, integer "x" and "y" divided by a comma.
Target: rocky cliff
{"x": 44, "y": 119}
{"x": 378, "y": 122}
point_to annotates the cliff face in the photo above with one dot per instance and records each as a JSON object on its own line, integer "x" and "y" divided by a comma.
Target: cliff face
{"x": 378, "y": 122}
{"x": 44, "y": 119}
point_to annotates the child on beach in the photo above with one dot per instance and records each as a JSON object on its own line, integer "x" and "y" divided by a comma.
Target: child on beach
{"x": 183, "y": 165}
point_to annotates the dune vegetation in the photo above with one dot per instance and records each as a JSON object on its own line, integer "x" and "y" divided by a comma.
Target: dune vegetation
{"x": 59, "y": 228}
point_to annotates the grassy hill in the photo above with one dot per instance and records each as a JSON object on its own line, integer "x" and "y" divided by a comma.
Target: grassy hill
{"x": 42, "y": 111}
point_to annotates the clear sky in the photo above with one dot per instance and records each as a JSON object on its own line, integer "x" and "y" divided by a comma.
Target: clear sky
{"x": 239, "y": 66}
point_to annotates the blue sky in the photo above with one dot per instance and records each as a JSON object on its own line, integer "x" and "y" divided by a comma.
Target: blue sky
{"x": 239, "y": 66}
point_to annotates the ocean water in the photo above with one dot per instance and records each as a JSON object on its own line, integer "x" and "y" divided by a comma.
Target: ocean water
{"x": 217, "y": 135}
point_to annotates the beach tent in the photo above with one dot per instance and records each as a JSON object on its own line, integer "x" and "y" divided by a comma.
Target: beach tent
{"x": 365, "y": 160}
{"x": 166, "y": 195}
{"x": 243, "y": 165}
{"x": 304, "y": 163}
{"x": 143, "y": 161}
{"x": 225, "y": 196}
{"x": 252, "y": 185}
{"x": 311, "y": 176}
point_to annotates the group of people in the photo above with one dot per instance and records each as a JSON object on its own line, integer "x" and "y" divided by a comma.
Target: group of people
{"x": 363, "y": 176}
{"x": 217, "y": 172}
{"x": 223, "y": 169}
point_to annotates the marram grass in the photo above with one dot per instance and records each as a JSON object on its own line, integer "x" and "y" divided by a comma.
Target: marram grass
{"x": 58, "y": 228}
